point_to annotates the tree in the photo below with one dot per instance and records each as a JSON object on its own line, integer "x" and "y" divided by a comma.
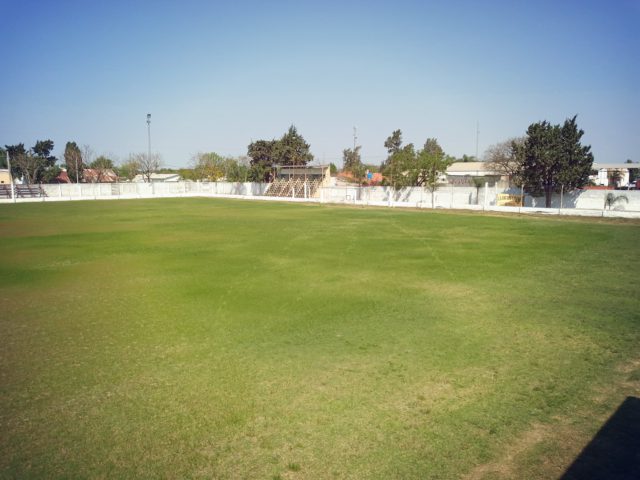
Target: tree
{"x": 400, "y": 167}
{"x": 554, "y": 158}
{"x": 405, "y": 167}
{"x": 129, "y": 168}
{"x": 262, "y": 154}
{"x": 32, "y": 165}
{"x": 290, "y": 149}
{"x": 101, "y": 166}
{"x": 209, "y": 166}
{"x": 3, "y": 158}
{"x": 351, "y": 159}
{"x": 88, "y": 155}
{"x": 187, "y": 173}
{"x": 614, "y": 176}
{"x": 634, "y": 172}
{"x": 507, "y": 158}
{"x": 611, "y": 199}
{"x": 73, "y": 161}
{"x": 397, "y": 160}
{"x": 477, "y": 182}
{"x": 14, "y": 152}
{"x": 49, "y": 174}
{"x": 147, "y": 165}
{"x": 393, "y": 143}
{"x": 431, "y": 162}
{"x": 237, "y": 169}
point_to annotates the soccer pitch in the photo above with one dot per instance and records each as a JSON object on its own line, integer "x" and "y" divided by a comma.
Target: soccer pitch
{"x": 200, "y": 338}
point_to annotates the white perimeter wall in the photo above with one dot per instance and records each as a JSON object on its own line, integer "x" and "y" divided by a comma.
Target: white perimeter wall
{"x": 584, "y": 202}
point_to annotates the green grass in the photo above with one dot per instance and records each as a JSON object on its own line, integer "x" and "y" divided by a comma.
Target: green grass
{"x": 224, "y": 339}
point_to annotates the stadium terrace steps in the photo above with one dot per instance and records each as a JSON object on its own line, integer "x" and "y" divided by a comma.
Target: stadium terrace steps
{"x": 22, "y": 191}
{"x": 293, "y": 187}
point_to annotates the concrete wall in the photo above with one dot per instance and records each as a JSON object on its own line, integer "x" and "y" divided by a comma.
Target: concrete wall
{"x": 148, "y": 190}
{"x": 587, "y": 202}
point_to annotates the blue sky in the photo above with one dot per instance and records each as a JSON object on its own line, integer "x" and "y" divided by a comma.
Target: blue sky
{"x": 216, "y": 75}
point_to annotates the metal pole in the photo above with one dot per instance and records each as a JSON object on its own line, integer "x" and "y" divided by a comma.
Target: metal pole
{"x": 13, "y": 193}
{"x": 149, "y": 137}
{"x": 477, "y": 138}
{"x": 355, "y": 138}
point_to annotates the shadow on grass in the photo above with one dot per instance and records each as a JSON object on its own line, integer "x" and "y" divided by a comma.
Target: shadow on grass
{"x": 614, "y": 453}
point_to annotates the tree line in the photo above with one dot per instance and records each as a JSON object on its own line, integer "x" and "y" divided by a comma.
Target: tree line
{"x": 548, "y": 159}
{"x": 37, "y": 164}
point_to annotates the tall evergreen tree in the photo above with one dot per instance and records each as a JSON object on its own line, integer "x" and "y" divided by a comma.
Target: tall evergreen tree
{"x": 73, "y": 161}
{"x": 292, "y": 149}
{"x": 554, "y": 159}
{"x": 262, "y": 154}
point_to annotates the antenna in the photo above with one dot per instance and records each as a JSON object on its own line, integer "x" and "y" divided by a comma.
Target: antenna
{"x": 355, "y": 137}
{"x": 477, "y": 138}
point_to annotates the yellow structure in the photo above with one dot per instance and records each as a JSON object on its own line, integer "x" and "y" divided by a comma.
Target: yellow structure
{"x": 509, "y": 200}
{"x": 4, "y": 176}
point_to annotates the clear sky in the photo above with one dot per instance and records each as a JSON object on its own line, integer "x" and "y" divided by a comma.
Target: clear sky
{"x": 217, "y": 75}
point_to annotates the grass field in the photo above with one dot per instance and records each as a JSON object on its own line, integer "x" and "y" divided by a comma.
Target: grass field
{"x": 200, "y": 338}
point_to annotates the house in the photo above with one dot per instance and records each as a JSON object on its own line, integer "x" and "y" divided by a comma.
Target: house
{"x": 63, "y": 177}
{"x": 463, "y": 173}
{"x": 607, "y": 174}
{"x": 92, "y": 175}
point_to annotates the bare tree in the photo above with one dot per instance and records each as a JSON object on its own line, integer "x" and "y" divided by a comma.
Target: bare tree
{"x": 507, "y": 159}
{"x": 28, "y": 164}
{"x": 147, "y": 165}
{"x": 88, "y": 155}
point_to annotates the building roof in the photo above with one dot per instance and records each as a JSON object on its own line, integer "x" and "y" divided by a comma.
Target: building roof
{"x": 471, "y": 168}
{"x": 104, "y": 176}
{"x": 614, "y": 166}
{"x": 63, "y": 177}
{"x": 158, "y": 177}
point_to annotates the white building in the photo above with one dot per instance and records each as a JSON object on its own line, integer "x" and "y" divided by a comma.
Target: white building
{"x": 462, "y": 173}
{"x": 603, "y": 173}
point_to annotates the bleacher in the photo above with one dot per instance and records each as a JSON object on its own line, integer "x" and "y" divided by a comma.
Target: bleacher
{"x": 293, "y": 187}
{"x": 298, "y": 181}
{"x": 22, "y": 191}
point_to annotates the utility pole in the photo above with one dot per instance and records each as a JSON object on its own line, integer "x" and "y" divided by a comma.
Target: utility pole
{"x": 149, "y": 136}
{"x": 355, "y": 138}
{"x": 477, "y": 139}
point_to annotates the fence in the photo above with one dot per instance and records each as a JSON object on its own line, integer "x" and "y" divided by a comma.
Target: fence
{"x": 582, "y": 202}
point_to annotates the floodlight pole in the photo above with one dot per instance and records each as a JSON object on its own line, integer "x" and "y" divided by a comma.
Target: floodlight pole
{"x": 149, "y": 136}
{"x": 13, "y": 192}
